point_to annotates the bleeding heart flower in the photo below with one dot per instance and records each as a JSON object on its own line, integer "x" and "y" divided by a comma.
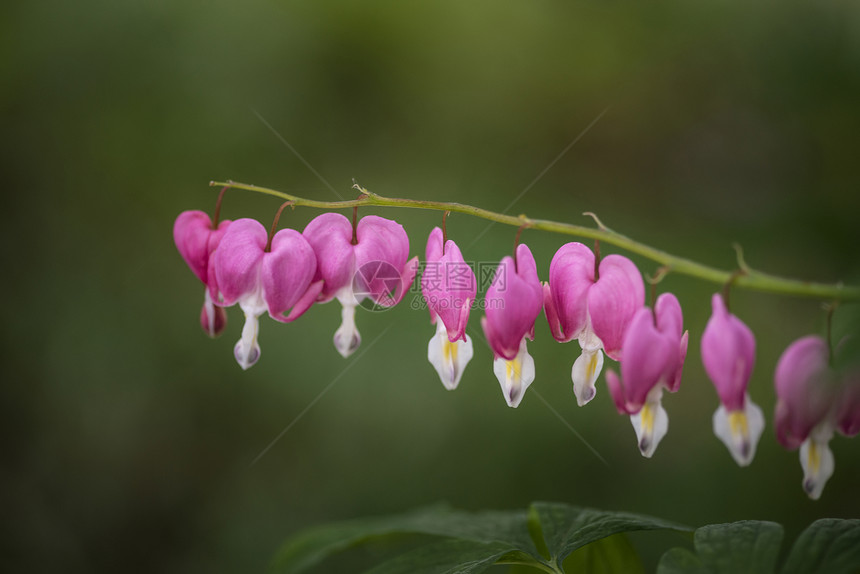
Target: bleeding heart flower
{"x": 449, "y": 288}
{"x": 814, "y": 400}
{"x": 372, "y": 265}
{"x": 513, "y": 303}
{"x": 276, "y": 278}
{"x": 654, "y": 353}
{"x": 728, "y": 353}
{"x": 594, "y": 309}
{"x": 805, "y": 390}
{"x": 197, "y": 239}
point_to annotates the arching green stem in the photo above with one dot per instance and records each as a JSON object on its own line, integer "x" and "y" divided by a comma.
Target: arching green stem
{"x": 751, "y": 279}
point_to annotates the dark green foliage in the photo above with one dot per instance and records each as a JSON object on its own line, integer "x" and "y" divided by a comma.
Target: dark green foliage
{"x": 828, "y": 546}
{"x": 555, "y": 537}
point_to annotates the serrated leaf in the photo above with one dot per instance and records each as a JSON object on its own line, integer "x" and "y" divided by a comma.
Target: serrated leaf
{"x": 567, "y": 528}
{"x": 749, "y": 546}
{"x": 313, "y": 545}
{"x": 680, "y": 561}
{"x": 829, "y": 545}
{"x": 611, "y": 555}
{"x": 446, "y": 557}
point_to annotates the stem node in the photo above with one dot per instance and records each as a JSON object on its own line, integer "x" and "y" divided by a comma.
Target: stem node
{"x": 742, "y": 264}
{"x": 599, "y": 223}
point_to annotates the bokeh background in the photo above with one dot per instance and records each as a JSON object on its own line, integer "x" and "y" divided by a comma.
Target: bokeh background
{"x": 129, "y": 436}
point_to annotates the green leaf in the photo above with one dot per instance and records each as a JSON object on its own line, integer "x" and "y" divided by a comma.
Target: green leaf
{"x": 312, "y": 546}
{"x": 829, "y": 545}
{"x": 536, "y": 532}
{"x": 749, "y": 546}
{"x": 567, "y": 528}
{"x": 555, "y": 529}
{"x": 446, "y": 557}
{"x": 611, "y": 555}
{"x": 680, "y": 561}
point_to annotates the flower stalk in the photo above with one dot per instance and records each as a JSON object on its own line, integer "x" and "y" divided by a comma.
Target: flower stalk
{"x": 749, "y": 279}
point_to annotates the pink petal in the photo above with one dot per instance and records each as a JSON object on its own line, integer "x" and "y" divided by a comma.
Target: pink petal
{"x": 448, "y": 285}
{"x": 237, "y": 260}
{"x": 848, "y": 405}
{"x": 196, "y": 240}
{"x": 526, "y": 269}
{"x": 287, "y": 271}
{"x": 433, "y": 252}
{"x": 459, "y": 284}
{"x": 674, "y": 382}
{"x": 214, "y": 241}
{"x": 728, "y": 354}
{"x": 552, "y": 314}
{"x": 462, "y": 322}
{"x": 432, "y": 274}
{"x": 670, "y": 320}
{"x": 571, "y": 275}
{"x": 613, "y": 383}
{"x": 382, "y": 272}
{"x": 307, "y": 300}
{"x": 330, "y": 236}
{"x": 804, "y": 390}
{"x": 407, "y": 278}
{"x": 618, "y": 293}
{"x": 381, "y": 239}
{"x": 489, "y": 333}
{"x": 514, "y": 301}
{"x": 649, "y": 358}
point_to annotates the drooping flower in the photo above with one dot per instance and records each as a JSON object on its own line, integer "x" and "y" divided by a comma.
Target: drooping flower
{"x": 279, "y": 279}
{"x": 805, "y": 387}
{"x": 513, "y": 303}
{"x": 449, "y": 288}
{"x": 814, "y": 400}
{"x": 594, "y": 309}
{"x": 196, "y": 238}
{"x": 728, "y": 354}
{"x": 371, "y": 264}
{"x": 654, "y": 354}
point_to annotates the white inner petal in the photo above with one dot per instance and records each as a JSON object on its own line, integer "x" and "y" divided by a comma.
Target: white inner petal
{"x": 346, "y": 296}
{"x": 210, "y": 312}
{"x": 817, "y": 461}
{"x": 247, "y": 350}
{"x": 347, "y": 338}
{"x": 584, "y": 374}
{"x": 740, "y": 430}
{"x": 651, "y": 423}
{"x": 449, "y": 359}
{"x": 516, "y": 375}
{"x": 588, "y": 341}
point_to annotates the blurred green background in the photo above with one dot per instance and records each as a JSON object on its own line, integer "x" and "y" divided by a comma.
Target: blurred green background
{"x": 129, "y": 436}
